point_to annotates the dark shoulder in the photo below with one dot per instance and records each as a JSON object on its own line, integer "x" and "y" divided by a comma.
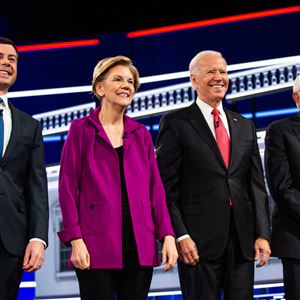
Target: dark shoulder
{"x": 284, "y": 123}
{"x": 180, "y": 113}
{"x": 21, "y": 114}
{"x": 27, "y": 121}
{"x": 236, "y": 116}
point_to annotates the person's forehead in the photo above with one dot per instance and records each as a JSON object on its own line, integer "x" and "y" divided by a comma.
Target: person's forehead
{"x": 8, "y": 49}
{"x": 120, "y": 70}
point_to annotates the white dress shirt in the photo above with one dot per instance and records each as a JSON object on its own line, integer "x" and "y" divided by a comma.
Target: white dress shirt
{"x": 207, "y": 113}
{"x": 7, "y": 122}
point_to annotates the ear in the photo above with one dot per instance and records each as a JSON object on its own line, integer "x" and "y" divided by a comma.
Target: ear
{"x": 99, "y": 89}
{"x": 296, "y": 97}
{"x": 194, "y": 81}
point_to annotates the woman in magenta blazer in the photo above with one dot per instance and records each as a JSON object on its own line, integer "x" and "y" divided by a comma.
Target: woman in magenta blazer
{"x": 111, "y": 195}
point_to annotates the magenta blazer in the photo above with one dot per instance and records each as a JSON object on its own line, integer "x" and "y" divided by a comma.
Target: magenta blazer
{"x": 90, "y": 192}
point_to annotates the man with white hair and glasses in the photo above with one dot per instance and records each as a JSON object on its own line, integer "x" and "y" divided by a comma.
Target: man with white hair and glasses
{"x": 282, "y": 161}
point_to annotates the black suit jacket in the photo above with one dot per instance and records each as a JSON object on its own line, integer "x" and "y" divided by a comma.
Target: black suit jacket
{"x": 23, "y": 185}
{"x": 282, "y": 164}
{"x": 198, "y": 184}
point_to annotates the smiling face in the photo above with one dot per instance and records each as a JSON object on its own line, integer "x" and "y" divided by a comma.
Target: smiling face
{"x": 8, "y": 67}
{"x": 210, "y": 79}
{"x": 117, "y": 88}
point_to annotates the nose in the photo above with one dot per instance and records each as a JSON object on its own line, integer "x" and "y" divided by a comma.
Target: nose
{"x": 218, "y": 75}
{"x": 4, "y": 61}
{"x": 125, "y": 84}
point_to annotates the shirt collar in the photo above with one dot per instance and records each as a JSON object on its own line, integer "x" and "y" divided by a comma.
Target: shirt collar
{"x": 207, "y": 109}
{"x": 5, "y": 100}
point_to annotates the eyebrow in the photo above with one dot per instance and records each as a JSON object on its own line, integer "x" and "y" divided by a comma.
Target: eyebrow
{"x": 117, "y": 75}
{"x": 13, "y": 55}
{"x": 9, "y": 55}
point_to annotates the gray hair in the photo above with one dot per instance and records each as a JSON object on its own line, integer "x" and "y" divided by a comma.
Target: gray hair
{"x": 194, "y": 64}
{"x": 296, "y": 86}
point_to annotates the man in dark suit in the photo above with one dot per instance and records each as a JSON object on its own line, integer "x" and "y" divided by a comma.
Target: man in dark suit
{"x": 282, "y": 164}
{"x": 216, "y": 194}
{"x": 23, "y": 185}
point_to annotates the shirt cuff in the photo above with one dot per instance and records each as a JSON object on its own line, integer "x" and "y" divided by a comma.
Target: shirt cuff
{"x": 185, "y": 236}
{"x": 38, "y": 240}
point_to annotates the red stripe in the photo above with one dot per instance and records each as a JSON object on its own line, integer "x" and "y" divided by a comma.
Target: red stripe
{"x": 229, "y": 19}
{"x": 58, "y": 45}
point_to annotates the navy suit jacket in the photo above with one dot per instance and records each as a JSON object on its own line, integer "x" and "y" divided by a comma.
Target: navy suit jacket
{"x": 199, "y": 185}
{"x": 282, "y": 163}
{"x": 23, "y": 185}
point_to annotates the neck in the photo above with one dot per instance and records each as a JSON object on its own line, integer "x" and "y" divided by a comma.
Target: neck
{"x": 214, "y": 103}
{"x": 3, "y": 89}
{"x": 110, "y": 116}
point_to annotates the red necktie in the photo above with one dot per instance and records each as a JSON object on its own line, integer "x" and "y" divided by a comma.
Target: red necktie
{"x": 222, "y": 138}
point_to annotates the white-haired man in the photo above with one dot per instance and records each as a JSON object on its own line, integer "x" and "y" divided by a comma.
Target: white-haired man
{"x": 282, "y": 161}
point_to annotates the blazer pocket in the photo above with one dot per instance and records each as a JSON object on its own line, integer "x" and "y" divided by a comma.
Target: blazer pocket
{"x": 95, "y": 218}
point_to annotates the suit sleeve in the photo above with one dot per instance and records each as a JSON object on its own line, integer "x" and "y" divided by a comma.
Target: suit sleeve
{"x": 161, "y": 216}
{"x": 169, "y": 158}
{"x": 69, "y": 178}
{"x": 277, "y": 165}
{"x": 37, "y": 191}
{"x": 258, "y": 191}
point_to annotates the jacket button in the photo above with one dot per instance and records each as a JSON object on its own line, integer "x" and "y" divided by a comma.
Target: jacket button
{"x": 92, "y": 206}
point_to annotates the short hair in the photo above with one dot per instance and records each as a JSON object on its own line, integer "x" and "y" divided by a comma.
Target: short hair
{"x": 296, "y": 86}
{"x": 195, "y": 61}
{"x": 7, "y": 41}
{"x": 106, "y": 64}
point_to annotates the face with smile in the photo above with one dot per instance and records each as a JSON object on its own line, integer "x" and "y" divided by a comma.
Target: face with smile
{"x": 117, "y": 87}
{"x": 8, "y": 67}
{"x": 210, "y": 79}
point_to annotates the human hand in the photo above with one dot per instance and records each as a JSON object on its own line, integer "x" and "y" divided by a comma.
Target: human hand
{"x": 187, "y": 251}
{"x": 169, "y": 253}
{"x": 80, "y": 256}
{"x": 34, "y": 256}
{"x": 262, "y": 251}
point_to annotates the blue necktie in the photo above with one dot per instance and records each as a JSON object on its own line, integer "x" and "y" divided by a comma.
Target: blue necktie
{"x": 1, "y": 129}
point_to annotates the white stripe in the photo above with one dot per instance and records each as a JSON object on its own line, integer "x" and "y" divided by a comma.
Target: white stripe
{"x": 28, "y": 284}
{"x": 153, "y": 294}
{"x": 268, "y": 285}
{"x": 74, "y": 298}
{"x": 154, "y": 78}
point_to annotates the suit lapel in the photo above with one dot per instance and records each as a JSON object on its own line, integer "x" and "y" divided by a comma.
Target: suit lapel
{"x": 17, "y": 125}
{"x": 197, "y": 120}
{"x": 130, "y": 127}
{"x": 233, "y": 124}
{"x": 296, "y": 126}
{"x": 94, "y": 119}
